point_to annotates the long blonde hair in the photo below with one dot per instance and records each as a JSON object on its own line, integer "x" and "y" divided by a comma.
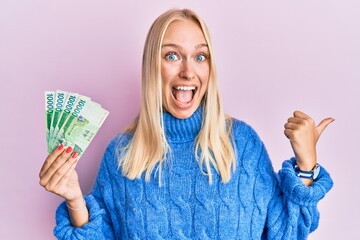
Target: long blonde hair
{"x": 148, "y": 146}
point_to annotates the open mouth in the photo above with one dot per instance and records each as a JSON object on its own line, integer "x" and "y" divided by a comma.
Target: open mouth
{"x": 184, "y": 94}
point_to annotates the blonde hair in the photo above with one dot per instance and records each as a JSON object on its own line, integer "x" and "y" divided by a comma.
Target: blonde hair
{"x": 148, "y": 146}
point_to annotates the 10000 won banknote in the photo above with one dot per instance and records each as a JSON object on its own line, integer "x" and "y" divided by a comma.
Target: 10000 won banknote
{"x": 72, "y": 120}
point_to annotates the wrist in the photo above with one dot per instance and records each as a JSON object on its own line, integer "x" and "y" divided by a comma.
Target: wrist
{"x": 312, "y": 174}
{"x": 306, "y": 160}
{"x": 306, "y": 163}
{"x": 76, "y": 204}
{"x": 306, "y": 166}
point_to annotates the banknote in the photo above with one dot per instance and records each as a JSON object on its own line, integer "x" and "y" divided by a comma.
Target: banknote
{"x": 76, "y": 124}
{"x": 81, "y": 102}
{"x": 49, "y": 109}
{"x": 70, "y": 102}
{"x": 60, "y": 98}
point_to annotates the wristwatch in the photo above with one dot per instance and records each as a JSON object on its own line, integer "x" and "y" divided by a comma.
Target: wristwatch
{"x": 313, "y": 174}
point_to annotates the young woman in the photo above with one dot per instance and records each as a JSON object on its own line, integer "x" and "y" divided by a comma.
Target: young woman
{"x": 185, "y": 170}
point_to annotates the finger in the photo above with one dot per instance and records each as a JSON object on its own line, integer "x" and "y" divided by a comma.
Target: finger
{"x": 291, "y": 126}
{"x": 289, "y": 133}
{"x": 50, "y": 159}
{"x": 64, "y": 180}
{"x": 300, "y": 114}
{"x": 59, "y": 175}
{"x": 304, "y": 119}
{"x": 323, "y": 124}
{"x": 296, "y": 120}
{"x": 56, "y": 164}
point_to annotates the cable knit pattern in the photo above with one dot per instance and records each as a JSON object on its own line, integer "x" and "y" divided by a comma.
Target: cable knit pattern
{"x": 257, "y": 203}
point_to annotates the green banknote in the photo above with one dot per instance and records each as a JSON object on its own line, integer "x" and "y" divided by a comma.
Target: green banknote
{"x": 49, "y": 109}
{"x": 64, "y": 115}
{"x": 60, "y": 98}
{"x": 81, "y": 102}
{"x": 80, "y": 130}
{"x": 77, "y": 123}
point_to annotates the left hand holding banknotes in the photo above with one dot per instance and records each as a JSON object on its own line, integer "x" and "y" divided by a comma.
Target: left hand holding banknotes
{"x": 72, "y": 121}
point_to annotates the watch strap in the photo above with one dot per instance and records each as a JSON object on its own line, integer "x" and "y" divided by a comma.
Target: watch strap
{"x": 307, "y": 174}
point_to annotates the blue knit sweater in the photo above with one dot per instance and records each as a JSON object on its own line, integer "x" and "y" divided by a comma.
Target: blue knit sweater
{"x": 255, "y": 204}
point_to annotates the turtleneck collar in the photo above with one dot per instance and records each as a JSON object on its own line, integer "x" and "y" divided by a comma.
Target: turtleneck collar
{"x": 183, "y": 130}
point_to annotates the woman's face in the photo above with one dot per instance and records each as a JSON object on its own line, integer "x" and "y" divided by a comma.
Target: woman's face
{"x": 185, "y": 67}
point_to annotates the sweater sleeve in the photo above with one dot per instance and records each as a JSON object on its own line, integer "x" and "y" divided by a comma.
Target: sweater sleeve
{"x": 292, "y": 211}
{"x": 99, "y": 225}
{"x": 291, "y": 207}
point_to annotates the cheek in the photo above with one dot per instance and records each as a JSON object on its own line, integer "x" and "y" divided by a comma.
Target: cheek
{"x": 165, "y": 78}
{"x": 163, "y": 74}
{"x": 168, "y": 71}
{"x": 204, "y": 75}
{"x": 204, "y": 79}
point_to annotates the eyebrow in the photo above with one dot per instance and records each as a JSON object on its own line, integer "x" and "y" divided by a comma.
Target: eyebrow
{"x": 201, "y": 45}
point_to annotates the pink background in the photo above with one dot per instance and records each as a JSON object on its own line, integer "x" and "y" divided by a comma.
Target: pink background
{"x": 273, "y": 57}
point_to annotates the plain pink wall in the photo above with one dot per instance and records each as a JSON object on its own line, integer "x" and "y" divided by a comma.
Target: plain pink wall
{"x": 273, "y": 57}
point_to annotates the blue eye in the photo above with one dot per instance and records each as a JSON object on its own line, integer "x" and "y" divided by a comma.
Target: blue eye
{"x": 171, "y": 56}
{"x": 200, "y": 57}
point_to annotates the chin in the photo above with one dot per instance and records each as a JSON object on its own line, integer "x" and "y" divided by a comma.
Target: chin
{"x": 181, "y": 113}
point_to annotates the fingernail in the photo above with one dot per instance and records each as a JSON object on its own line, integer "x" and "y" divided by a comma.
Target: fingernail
{"x": 60, "y": 147}
{"x": 68, "y": 150}
{"x": 74, "y": 155}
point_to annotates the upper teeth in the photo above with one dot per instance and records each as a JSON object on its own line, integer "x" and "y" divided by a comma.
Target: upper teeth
{"x": 184, "y": 88}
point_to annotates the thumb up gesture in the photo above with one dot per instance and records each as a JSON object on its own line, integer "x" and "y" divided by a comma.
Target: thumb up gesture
{"x": 303, "y": 135}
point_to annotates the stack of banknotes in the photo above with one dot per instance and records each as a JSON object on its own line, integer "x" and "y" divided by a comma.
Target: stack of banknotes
{"x": 72, "y": 120}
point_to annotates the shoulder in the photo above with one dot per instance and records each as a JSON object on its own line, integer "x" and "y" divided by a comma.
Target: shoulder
{"x": 251, "y": 151}
{"x": 115, "y": 147}
{"x": 246, "y": 141}
{"x": 121, "y": 140}
{"x": 242, "y": 131}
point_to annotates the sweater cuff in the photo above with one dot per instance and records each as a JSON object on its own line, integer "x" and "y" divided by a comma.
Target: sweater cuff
{"x": 65, "y": 230}
{"x": 295, "y": 190}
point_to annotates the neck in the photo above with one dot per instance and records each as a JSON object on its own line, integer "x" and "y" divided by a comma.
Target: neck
{"x": 183, "y": 130}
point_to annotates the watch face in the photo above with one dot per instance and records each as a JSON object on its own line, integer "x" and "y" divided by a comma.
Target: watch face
{"x": 316, "y": 172}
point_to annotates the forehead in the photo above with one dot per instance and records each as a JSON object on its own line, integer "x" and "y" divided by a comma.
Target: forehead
{"x": 184, "y": 32}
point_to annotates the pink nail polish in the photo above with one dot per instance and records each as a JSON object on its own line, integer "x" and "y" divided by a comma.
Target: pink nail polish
{"x": 68, "y": 150}
{"x": 74, "y": 155}
{"x": 60, "y": 147}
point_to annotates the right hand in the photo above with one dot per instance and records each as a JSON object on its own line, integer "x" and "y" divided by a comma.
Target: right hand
{"x": 58, "y": 174}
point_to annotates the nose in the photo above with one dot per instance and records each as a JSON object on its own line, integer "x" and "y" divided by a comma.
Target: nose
{"x": 187, "y": 72}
